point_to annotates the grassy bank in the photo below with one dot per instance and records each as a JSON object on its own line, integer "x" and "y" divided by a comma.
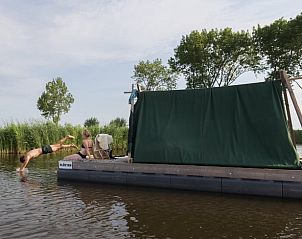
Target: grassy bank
{"x": 20, "y": 137}
{"x": 298, "y": 136}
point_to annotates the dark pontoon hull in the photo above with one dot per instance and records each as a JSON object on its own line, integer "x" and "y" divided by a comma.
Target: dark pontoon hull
{"x": 249, "y": 181}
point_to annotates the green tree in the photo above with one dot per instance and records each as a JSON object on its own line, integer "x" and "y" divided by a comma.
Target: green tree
{"x": 280, "y": 45}
{"x": 118, "y": 122}
{"x": 93, "y": 121}
{"x": 296, "y": 26}
{"x": 55, "y": 100}
{"x": 214, "y": 58}
{"x": 154, "y": 76}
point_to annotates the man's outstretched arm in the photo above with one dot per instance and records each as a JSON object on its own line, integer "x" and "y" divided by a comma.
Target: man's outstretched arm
{"x": 23, "y": 166}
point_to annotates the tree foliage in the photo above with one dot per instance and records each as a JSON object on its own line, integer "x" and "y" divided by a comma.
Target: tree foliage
{"x": 280, "y": 45}
{"x": 214, "y": 58}
{"x": 118, "y": 122}
{"x": 93, "y": 121}
{"x": 55, "y": 100}
{"x": 154, "y": 76}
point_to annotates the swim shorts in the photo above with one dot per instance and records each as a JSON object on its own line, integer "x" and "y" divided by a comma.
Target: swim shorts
{"x": 46, "y": 149}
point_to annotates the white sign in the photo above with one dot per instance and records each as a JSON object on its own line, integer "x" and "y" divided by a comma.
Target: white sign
{"x": 65, "y": 164}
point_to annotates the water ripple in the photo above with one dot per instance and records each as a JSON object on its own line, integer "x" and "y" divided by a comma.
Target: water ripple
{"x": 40, "y": 207}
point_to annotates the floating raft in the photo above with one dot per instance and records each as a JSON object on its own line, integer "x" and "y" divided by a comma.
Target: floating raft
{"x": 280, "y": 183}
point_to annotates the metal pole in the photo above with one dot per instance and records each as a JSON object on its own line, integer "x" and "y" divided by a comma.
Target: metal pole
{"x": 285, "y": 80}
{"x": 289, "y": 120}
{"x": 130, "y": 159}
{"x": 295, "y": 78}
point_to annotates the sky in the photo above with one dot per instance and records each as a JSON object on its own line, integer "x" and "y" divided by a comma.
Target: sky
{"x": 93, "y": 46}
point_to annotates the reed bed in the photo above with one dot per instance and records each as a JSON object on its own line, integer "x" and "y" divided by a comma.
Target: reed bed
{"x": 19, "y": 137}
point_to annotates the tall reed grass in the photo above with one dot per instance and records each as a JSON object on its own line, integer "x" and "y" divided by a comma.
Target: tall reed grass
{"x": 20, "y": 137}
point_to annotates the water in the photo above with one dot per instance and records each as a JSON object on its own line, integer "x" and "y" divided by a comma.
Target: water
{"x": 39, "y": 206}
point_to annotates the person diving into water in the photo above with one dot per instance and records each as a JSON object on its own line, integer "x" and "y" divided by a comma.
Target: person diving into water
{"x": 45, "y": 149}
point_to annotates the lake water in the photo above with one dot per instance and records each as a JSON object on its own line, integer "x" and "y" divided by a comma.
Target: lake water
{"x": 42, "y": 207}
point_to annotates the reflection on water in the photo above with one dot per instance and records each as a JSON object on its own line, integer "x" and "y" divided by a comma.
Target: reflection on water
{"x": 40, "y": 207}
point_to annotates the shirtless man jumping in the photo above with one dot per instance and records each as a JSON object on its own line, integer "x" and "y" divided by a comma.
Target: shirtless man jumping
{"x": 45, "y": 149}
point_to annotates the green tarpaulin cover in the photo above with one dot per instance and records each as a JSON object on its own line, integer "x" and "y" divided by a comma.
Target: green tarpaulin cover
{"x": 228, "y": 126}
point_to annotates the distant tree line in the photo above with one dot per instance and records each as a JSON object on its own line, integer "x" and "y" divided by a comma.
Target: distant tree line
{"x": 217, "y": 57}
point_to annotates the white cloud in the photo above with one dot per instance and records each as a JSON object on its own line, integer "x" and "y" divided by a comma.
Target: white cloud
{"x": 86, "y": 33}
{"x": 74, "y": 32}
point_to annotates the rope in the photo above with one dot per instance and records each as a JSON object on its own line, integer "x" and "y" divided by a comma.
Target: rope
{"x": 298, "y": 84}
